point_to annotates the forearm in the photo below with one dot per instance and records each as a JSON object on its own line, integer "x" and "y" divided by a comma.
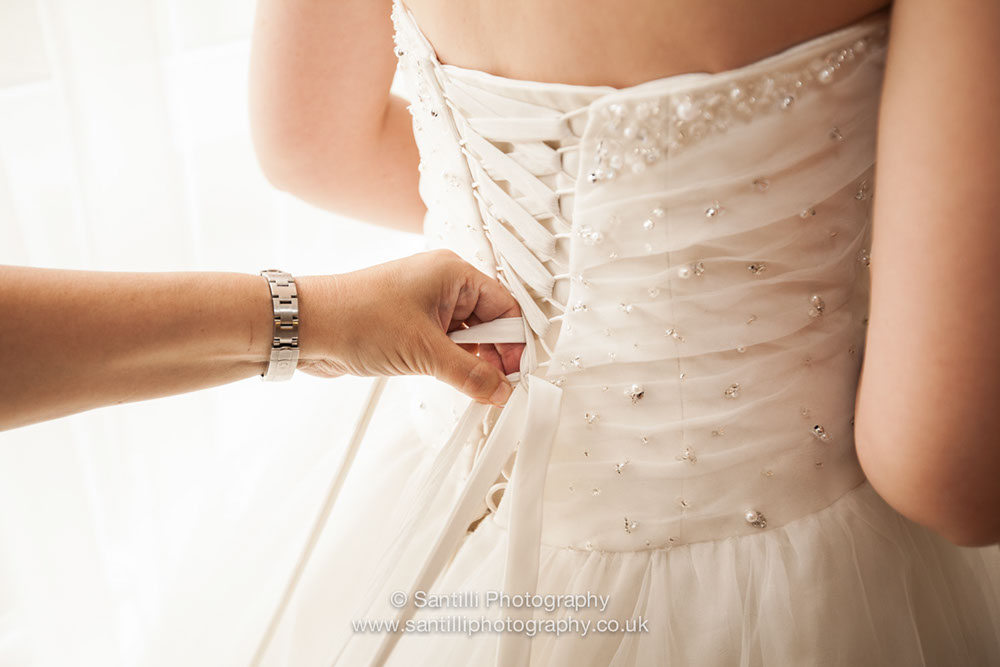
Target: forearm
{"x": 73, "y": 340}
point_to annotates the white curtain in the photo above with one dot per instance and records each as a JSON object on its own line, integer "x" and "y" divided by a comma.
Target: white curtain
{"x": 124, "y": 145}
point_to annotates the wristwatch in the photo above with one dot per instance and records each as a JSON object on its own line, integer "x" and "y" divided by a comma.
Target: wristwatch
{"x": 285, "y": 339}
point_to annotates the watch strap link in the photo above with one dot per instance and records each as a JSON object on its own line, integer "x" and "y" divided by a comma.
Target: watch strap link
{"x": 285, "y": 339}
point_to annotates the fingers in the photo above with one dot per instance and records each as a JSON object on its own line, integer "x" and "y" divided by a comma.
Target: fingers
{"x": 473, "y": 376}
{"x": 478, "y": 298}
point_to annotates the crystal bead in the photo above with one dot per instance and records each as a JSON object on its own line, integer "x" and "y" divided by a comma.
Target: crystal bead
{"x": 630, "y": 525}
{"x": 817, "y": 307}
{"x": 590, "y": 236}
{"x": 639, "y": 133}
{"x": 575, "y": 361}
{"x": 684, "y": 503}
{"x": 558, "y": 381}
{"x": 755, "y": 519}
{"x": 820, "y": 433}
{"x": 807, "y": 213}
{"x": 648, "y": 224}
{"x": 741, "y": 348}
{"x": 862, "y": 192}
{"x": 626, "y": 308}
{"x": 751, "y": 319}
{"x": 684, "y": 272}
{"x": 579, "y": 306}
{"x": 658, "y": 212}
{"x": 835, "y": 134}
{"x": 590, "y": 418}
{"x": 757, "y": 268}
{"x": 864, "y": 257}
{"x": 653, "y": 292}
{"x": 672, "y": 332}
{"x": 733, "y": 390}
{"x": 687, "y": 456}
{"x": 620, "y": 466}
{"x": 595, "y": 491}
{"x": 760, "y": 184}
{"x": 644, "y": 439}
{"x": 635, "y": 392}
{"x": 714, "y": 209}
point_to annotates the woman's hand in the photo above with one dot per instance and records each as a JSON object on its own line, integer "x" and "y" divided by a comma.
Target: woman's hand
{"x": 394, "y": 319}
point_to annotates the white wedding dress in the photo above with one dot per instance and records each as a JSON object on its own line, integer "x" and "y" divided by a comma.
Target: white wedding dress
{"x": 691, "y": 256}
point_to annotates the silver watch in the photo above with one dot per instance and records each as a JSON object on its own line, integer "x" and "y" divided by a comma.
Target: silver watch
{"x": 285, "y": 340}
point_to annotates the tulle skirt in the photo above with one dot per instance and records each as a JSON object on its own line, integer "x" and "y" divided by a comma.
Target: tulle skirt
{"x": 853, "y": 584}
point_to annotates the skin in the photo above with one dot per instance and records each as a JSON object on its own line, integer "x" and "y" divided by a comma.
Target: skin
{"x": 925, "y": 422}
{"x": 95, "y": 339}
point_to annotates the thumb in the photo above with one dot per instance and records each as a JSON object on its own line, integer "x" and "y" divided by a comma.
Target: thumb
{"x": 471, "y": 375}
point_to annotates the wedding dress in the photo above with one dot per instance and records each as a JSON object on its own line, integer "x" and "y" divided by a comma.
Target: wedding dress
{"x": 691, "y": 256}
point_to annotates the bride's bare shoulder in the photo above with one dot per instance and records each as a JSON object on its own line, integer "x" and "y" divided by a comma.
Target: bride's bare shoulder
{"x": 622, "y": 42}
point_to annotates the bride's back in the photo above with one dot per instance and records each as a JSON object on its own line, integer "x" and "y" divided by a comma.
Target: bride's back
{"x": 622, "y": 42}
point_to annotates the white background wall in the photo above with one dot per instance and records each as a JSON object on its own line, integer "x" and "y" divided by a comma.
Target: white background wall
{"x": 124, "y": 145}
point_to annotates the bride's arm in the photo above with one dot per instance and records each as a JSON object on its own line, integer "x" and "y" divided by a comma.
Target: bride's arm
{"x": 325, "y": 127}
{"x": 927, "y": 426}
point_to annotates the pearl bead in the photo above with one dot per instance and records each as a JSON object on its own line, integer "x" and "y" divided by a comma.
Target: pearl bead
{"x": 755, "y": 518}
{"x": 590, "y": 418}
{"x": 686, "y": 109}
{"x": 714, "y": 210}
{"x": 635, "y": 392}
{"x": 684, "y": 272}
{"x": 648, "y": 224}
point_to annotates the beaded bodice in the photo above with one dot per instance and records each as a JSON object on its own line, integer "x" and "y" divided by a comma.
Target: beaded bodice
{"x": 691, "y": 259}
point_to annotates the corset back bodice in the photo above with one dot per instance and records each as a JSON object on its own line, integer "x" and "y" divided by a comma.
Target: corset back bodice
{"x": 691, "y": 257}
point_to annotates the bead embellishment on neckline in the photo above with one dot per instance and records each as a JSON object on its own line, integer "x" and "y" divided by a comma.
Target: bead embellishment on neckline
{"x": 640, "y": 132}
